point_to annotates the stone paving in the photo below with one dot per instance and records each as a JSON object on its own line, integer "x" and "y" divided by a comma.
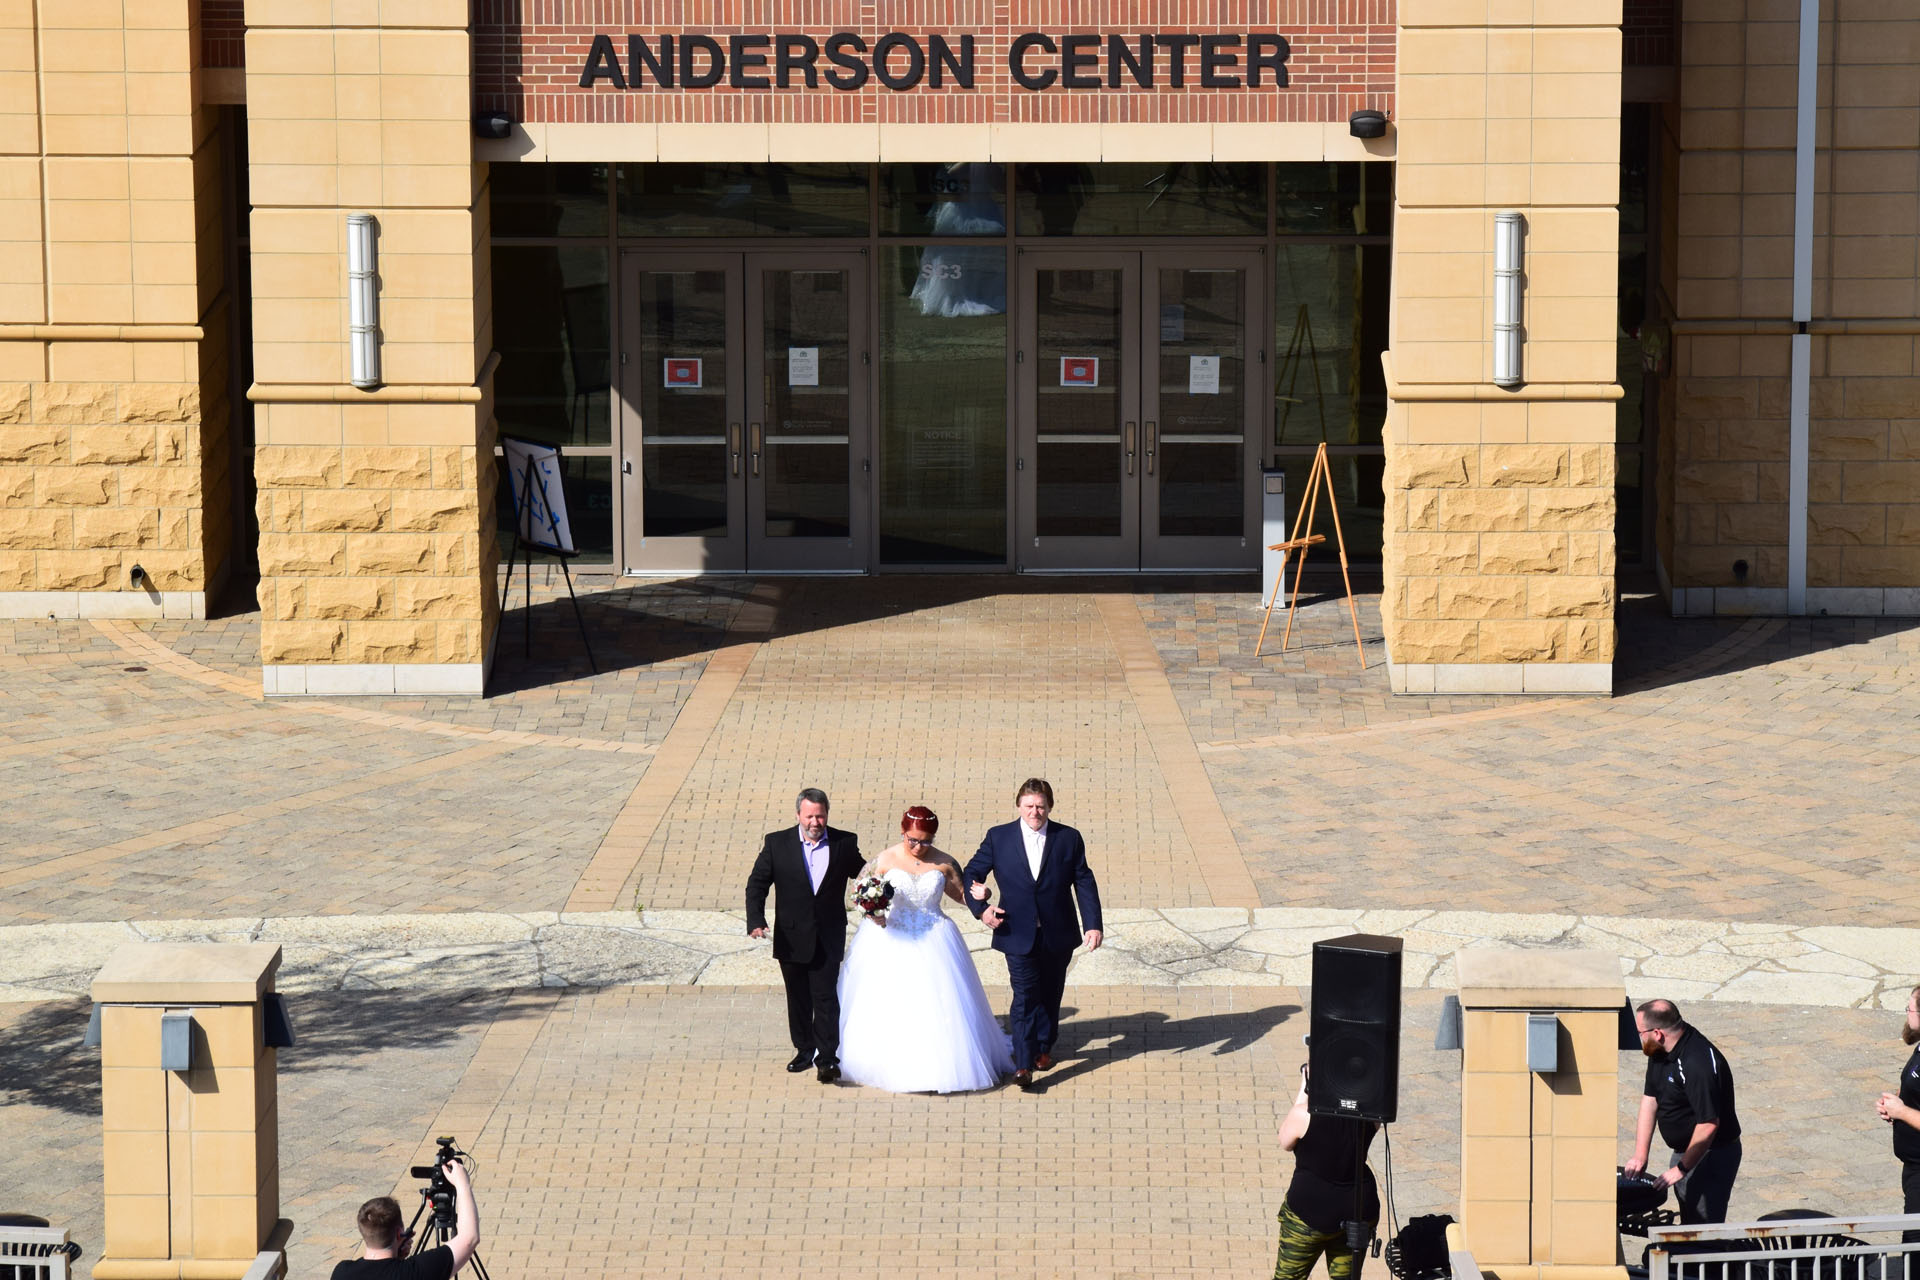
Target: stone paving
{"x": 1718, "y": 960}
{"x": 650, "y": 1131}
{"x": 1732, "y": 822}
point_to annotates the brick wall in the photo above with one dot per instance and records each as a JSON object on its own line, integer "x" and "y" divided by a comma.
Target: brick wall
{"x": 528, "y": 56}
{"x": 223, "y": 33}
{"x": 1650, "y": 32}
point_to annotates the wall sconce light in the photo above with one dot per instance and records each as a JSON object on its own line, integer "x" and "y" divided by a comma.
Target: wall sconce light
{"x": 1508, "y": 227}
{"x": 1367, "y": 124}
{"x": 363, "y": 302}
{"x": 492, "y": 124}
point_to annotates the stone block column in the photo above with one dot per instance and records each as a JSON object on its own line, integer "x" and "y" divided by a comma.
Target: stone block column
{"x": 377, "y": 555}
{"x": 113, "y": 314}
{"x": 1499, "y": 527}
{"x": 1537, "y": 1148}
{"x": 192, "y": 1156}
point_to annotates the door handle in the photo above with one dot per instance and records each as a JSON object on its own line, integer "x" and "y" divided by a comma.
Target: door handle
{"x": 753, "y": 447}
{"x": 1129, "y": 447}
{"x": 733, "y": 445}
{"x": 1153, "y": 444}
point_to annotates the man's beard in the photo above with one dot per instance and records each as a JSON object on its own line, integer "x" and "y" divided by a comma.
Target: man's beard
{"x": 1653, "y": 1047}
{"x": 1908, "y": 1032}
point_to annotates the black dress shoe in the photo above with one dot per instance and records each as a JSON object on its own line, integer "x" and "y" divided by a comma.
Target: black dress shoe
{"x": 1024, "y": 1078}
{"x": 829, "y": 1072}
{"x": 801, "y": 1061}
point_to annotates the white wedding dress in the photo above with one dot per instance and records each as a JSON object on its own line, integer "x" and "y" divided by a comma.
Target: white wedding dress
{"x": 913, "y": 1015}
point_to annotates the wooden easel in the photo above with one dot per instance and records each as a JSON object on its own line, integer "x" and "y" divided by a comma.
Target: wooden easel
{"x": 1318, "y": 479}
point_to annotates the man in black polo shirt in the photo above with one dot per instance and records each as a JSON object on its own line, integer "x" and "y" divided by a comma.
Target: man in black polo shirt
{"x": 1689, "y": 1091}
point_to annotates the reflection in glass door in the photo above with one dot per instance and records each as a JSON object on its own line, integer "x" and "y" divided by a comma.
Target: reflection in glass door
{"x": 1138, "y": 411}
{"x": 744, "y": 422}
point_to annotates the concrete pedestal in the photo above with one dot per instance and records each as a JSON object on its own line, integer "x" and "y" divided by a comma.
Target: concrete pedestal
{"x": 192, "y": 1155}
{"x": 1537, "y": 1148}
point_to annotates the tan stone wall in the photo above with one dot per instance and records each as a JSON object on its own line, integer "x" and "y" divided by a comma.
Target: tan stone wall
{"x": 1500, "y": 504}
{"x": 113, "y": 395}
{"x": 375, "y": 507}
{"x": 1728, "y": 480}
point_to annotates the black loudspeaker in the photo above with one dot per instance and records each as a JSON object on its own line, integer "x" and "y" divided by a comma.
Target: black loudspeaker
{"x": 1353, "y": 1056}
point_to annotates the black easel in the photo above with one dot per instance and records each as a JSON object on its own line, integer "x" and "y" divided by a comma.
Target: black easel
{"x": 521, "y": 546}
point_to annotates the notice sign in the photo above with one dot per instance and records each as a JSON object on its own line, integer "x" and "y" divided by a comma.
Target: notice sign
{"x": 803, "y": 366}
{"x": 1079, "y": 371}
{"x": 681, "y": 372}
{"x": 1203, "y": 375}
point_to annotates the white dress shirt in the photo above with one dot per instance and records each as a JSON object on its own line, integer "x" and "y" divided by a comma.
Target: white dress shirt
{"x": 1036, "y": 846}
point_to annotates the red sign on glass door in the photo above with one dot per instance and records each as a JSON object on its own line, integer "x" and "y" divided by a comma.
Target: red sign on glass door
{"x": 1079, "y": 371}
{"x": 682, "y": 372}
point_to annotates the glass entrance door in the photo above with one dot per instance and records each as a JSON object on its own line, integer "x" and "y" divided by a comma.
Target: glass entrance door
{"x": 1139, "y": 410}
{"x": 744, "y": 425}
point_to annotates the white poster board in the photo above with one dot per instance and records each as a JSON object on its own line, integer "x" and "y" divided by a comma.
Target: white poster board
{"x": 539, "y": 507}
{"x": 803, "y": 366}
{"x": 1203, "y": 375}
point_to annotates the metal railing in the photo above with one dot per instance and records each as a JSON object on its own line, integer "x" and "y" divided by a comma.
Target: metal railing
{"x": 1786, "y": 1248}
{"x": 34, "y": 1253}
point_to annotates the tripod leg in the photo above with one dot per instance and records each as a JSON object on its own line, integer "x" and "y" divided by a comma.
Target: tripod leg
{"x": 1278, "y": 578}
{"x": 526, "y": 639}
{"x": 1340, "y": 540}
{"x": 578, "y": 620}
{"x": 1300, "y": 570}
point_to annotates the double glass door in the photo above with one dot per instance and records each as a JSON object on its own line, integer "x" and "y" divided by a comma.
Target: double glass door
{"x": 1139, "y": 413}
{"x": 745, "y": 431}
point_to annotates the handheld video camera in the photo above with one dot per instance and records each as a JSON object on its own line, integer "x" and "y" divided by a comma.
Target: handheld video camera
{"x": 439, "y": 1191}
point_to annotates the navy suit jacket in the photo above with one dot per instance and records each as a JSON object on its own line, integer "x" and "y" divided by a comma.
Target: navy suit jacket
{"x": 1039, "y": 913}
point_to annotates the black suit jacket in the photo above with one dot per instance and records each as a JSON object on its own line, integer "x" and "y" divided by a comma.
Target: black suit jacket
{"x": 804, "y": 922}
{"x": 1039, "y": 913}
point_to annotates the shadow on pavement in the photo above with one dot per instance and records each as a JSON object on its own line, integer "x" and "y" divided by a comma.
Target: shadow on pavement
{"x": 42, "y": 1062}
{"x": 1151, "y": 1031}
{"x": 1656, "y": 650}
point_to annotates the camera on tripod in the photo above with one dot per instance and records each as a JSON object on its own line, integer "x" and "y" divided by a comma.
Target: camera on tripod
{"x": 439, "y": 1192}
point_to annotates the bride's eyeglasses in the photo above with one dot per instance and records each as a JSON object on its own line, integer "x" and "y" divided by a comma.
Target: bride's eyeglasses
{"x": 918, "y": 844}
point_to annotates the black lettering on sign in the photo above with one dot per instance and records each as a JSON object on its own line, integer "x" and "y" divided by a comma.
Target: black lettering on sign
{"x": 853, "y": 71}
{"x": 796, "y": 53}
{"x": 1017, "y": 61}
{"x": 916, "y": 61}
{"x": 716, "y": 62}
{"x": 902, "y": 62}
{"x": 1266, "y": 50}
{"x": 638, "y": 55}
{"x": 741, "y": 59}
{"x": 943, "y": 60}
{"x": 603, "y": 63}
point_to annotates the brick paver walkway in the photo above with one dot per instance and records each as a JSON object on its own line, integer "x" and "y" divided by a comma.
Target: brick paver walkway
{"x": 652, "y": 1131}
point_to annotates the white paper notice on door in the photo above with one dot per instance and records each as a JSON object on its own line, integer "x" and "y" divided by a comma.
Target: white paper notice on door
{"x": 1203, "y": 375}
{"x": 803, "y": 366}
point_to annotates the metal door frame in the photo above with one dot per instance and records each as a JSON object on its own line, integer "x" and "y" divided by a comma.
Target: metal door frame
{"x": 1222, "y": 553}
{"x": 1119, "y": 553}
{"x": 738, "y": 551}
{"x": 855, "y": 553}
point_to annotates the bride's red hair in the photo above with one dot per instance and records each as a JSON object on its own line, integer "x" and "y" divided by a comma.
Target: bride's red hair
{"x": 922, "y": 817}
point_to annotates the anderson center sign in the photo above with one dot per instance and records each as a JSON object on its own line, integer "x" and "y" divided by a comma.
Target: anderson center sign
{"x": 899, "y": 61}
{"x": 683, "y": 63}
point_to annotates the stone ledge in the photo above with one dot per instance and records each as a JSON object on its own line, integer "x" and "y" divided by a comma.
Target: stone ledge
{"x": 1418, "y": 678}
{"x": 1832, "y": 602}
{"x": 359, "y": 679}
{"x": 103, "y": 604}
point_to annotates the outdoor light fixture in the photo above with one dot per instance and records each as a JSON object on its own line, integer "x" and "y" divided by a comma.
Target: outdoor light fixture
{"x": 1508, "y": 227}
{"x": 1367, "y": 124}
{"x": 363, "y": 302}
{"x": 492, "y": 124}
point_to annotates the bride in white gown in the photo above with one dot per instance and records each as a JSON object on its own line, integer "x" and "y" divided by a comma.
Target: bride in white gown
{"x": 913, "y": 1015}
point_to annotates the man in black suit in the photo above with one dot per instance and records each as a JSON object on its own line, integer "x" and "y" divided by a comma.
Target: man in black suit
{"x": 1042, "y": 870}
{"x": 808, "y": 865}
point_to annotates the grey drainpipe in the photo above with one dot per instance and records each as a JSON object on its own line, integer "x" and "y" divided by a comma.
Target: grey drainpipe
{"x": 1806, "y": 114}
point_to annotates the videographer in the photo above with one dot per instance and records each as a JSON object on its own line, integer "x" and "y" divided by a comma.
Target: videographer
{"x": 386, "y": 1247}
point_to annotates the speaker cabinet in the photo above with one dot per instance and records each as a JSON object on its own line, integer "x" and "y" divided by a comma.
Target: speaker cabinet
{"x": 1353, "y": 1057}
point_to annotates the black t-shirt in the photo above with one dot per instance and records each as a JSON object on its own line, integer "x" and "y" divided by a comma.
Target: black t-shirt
{"x": 1906, "y": 1138}
{"x": 1690, "y": 1086}
{"x": 434, "y": 1264}
{"x": 1325, "y": 1162}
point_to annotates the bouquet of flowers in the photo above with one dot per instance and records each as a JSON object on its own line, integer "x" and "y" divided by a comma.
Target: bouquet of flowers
{"x": 872, "y": 894}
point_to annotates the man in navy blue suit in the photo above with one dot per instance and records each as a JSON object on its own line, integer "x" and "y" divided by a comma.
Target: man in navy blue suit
{"x": 1042, "y": 868}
